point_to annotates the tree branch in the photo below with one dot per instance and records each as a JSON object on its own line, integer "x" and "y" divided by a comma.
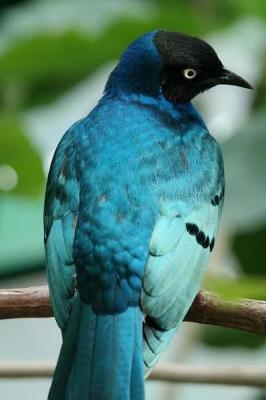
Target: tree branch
{"x": 172, "y": 373}
{"x": 207, "y": 308}
{"x": 31, "y": 302}
{"x": 247, "y": 315}
{"x": 177, "y": 373}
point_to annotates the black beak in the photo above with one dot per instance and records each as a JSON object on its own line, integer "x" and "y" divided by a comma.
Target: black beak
{"x": 229, "y": 78}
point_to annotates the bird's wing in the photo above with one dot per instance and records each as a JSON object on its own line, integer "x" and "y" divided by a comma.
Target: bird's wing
{"x": 60, "y": 216}
{"x": 179, "y": 251}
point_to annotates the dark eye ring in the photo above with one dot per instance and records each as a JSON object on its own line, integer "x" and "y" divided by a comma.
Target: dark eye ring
{"x": 189, "y": 73}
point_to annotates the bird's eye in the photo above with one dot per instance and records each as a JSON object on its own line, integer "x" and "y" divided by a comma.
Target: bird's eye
{"x": 189, "y": 73}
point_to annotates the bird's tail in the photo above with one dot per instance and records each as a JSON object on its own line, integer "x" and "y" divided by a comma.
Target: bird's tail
{"x": 101, "y": 357}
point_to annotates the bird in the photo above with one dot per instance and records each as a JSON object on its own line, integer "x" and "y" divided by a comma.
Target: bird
{"x": 132, "y": 208}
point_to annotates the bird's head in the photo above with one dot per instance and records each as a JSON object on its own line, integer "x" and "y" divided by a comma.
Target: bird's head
{"x": 171, "y": 64}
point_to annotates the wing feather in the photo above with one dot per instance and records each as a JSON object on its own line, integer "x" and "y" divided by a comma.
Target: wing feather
{"x": 60, "y": 272}
{"x": 174, "y": 273}
{"x": 60, "y": 217}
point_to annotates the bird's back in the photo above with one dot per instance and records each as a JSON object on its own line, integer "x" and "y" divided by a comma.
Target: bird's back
{"x": 131, "y": 159}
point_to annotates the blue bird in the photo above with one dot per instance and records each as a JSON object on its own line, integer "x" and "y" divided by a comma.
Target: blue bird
{"x": 132, "y": 208}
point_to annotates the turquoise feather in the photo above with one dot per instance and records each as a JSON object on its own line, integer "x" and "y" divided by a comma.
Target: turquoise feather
{"x": 172, "y": 279}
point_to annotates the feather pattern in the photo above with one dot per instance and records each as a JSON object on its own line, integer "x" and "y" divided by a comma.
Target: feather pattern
{"x": 172, "y": 279}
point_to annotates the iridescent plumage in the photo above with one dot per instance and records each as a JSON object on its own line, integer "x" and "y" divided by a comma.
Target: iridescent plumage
{"x": 132, "y": 208}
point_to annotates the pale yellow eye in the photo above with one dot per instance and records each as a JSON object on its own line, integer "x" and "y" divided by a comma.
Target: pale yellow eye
{"x": 189, "y": 73}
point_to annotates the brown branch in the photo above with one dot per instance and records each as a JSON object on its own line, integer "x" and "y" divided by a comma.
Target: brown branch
{"x": 31, "y": 302}
{"x": 173, "y": 373}
{"x": 244, "y": 314}
{"x": 207, "y": 308}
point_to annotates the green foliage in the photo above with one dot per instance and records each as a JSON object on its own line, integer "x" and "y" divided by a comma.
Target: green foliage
{"x": 43, "y": 66}
{"x": 17, "y": 151}
{"x": 250, "y": 250}
{"x": 221, "y": 9}
{"x": 262, "y": 396}
{"x": 8, "y": 3}
{"x": 244, "y": 159}
{"x": 216, "y": 336}
{"x": 244, "y": 287}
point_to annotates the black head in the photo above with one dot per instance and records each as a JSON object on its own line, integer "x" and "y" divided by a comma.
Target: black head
{"x": 190, "y": 66}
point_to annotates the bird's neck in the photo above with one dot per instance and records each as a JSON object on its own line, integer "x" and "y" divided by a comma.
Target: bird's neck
{"x": 176, "y": 111}
{"x": 138, "y": 71}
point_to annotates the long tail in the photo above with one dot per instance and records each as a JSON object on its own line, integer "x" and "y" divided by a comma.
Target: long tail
{"x": 101, "y": 357}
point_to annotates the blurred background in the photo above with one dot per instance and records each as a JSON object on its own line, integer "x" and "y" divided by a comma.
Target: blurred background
{"x": 55, "y": 57}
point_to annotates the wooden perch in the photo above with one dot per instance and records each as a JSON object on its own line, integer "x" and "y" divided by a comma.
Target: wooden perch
{"x": 207, "y": 308}
{"x": 31, "y": 302}
{"x": 244, "y": 314}
{"x": 172, "y": 373}
{"x": 239, "y": 376}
